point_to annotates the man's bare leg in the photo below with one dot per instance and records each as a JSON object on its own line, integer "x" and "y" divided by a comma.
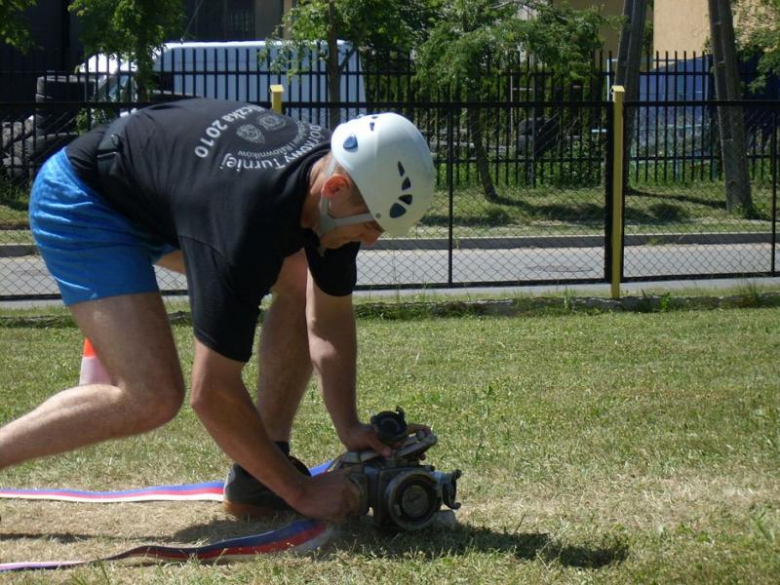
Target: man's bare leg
{"x": 284, "y": 362}
{"x": 132, "y": 337}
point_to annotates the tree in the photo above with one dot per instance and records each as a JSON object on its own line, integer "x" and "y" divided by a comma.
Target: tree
{"x": 366, "y": 24}
{"x": 468, "y": 32}
{"x": 759, "y": 35}
{"x": 14, "y": 30}
{"x": 629, "y": 64}
{"x": 132, "y": 29}
{"x": 731, "y": 120}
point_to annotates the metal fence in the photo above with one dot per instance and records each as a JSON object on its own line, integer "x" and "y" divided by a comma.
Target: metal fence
{"x": 677, "y": 220}
{"x": 546, "y": 222}
{"x": 548, "y": 161}
{"x": 245, "y": 72}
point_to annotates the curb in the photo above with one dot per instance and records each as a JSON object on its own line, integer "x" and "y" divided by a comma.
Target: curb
{"x": 17, "y": 250}
{"x": 574, "y": 241}
{"x": 509, "y": 243}
{"x": 564, "y": 305}
{"x": 492, "y": 308}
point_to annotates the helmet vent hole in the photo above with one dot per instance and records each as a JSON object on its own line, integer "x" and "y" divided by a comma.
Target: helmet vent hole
{"x": 407, "y": 184}
{"x": 351, "y": 143}
{"x": 401, "y": 170}
{"x": 397, "y": 210}
{"x": 407, "y": 199}
{"x": 371, "y": 126}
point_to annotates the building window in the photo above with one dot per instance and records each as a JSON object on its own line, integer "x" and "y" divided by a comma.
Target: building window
{"x": 220, "y": 20}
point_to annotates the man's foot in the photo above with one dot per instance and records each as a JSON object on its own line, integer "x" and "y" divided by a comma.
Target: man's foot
{"x": 246, "y": 497}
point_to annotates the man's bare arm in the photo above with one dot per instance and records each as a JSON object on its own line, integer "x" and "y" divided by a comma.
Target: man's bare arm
{"x": 225, "y": 408}
{"x": 333, "y": 350}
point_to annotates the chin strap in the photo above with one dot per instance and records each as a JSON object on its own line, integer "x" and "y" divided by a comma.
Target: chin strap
{"x": 327, "y": 222}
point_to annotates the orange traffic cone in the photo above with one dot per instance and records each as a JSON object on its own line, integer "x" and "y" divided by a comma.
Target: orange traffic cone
{"x": 92, "y": 369}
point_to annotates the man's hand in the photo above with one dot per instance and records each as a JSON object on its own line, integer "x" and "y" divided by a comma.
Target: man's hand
{"x": 329, "y": 496}
{"x": 362, "y": 436}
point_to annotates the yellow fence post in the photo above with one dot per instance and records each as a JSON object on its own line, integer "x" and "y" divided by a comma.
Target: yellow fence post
{"x": 618, "y": 95}
{"x": 276, "y": 98}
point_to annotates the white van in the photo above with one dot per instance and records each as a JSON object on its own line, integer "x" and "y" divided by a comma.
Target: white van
{"x": 231, "y": 70}
{"x": 239, "y": 70}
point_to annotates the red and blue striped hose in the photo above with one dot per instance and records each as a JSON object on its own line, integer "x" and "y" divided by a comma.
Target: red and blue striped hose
{"x": 299, "y": 536}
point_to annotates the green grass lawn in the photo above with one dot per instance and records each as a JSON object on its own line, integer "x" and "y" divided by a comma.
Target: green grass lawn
{"x": 596, "y": 448}
{"x": 522, "y": 211}
{"x": 675, "y": 208}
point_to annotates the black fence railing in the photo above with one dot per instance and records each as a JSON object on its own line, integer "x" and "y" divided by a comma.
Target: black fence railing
{"x": 530, "y": 123}
{"x": 523, "y": 185}
{"x": 680, "y": 140}
{"x": 545, "y": 223}
{"x": 688, "y": 214}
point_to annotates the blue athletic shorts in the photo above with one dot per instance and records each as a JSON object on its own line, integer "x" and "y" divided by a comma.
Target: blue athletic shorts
{"x": 90, "y": 249}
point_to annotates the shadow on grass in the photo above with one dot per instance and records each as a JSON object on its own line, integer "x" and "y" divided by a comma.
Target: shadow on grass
{"x": 586, "y": 213}
{"x": 360, "y": 537}
{"x": 507, "y": 210}
{"x": 436, "y": 543}
{"x": 16, "y": 204}
{"x": 642, "y": 206}
{"x": 70, "y": 537}
{"x": 703, "y": 201}
{"x": 14, "y": 196}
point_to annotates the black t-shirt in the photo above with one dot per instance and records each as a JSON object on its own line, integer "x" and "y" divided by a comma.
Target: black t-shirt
{"x": 225, "y": 182}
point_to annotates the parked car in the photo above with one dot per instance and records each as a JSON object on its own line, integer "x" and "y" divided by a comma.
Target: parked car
{"x": 69, "y": 104}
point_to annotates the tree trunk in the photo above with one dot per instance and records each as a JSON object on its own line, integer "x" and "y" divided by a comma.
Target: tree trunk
{"x": 630, "y": 48}
{"x": 475, "y": 128}
{"x": 629, "y": 65}
{"x": 731, "y": 119}
{"x": 474, "y": 117}
{"x": 143, "y": 74}
{"x": 334, "y": 73}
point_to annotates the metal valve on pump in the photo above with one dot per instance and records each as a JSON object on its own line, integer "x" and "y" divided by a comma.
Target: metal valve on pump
{"x": 400, "y": 490}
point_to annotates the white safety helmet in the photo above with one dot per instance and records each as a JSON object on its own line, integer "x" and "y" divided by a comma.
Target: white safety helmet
{"x": 391, "y": 164}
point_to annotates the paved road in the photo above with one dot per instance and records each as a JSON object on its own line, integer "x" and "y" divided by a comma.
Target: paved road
{"x": 554, "y": 264}
{"x": 27, "y": 276}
